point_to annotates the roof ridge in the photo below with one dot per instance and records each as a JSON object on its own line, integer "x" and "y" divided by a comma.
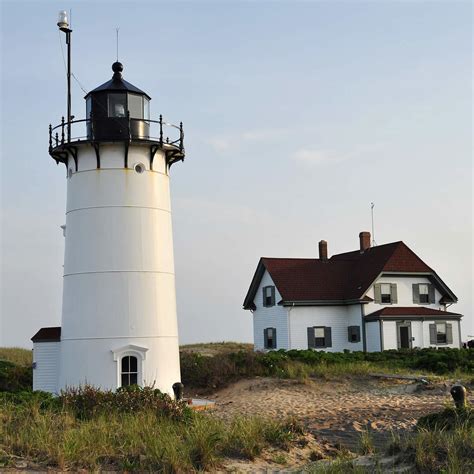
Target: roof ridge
{"x": 370, "y": 248}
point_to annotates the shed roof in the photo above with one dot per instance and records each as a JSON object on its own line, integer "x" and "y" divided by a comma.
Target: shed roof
{"x": 47, "y": 335}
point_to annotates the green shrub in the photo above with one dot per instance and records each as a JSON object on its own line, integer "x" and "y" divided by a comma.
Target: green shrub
{"x": 14, "y": 377}
{"x": 87, "y": 401}
{"x": 216, "y": 371}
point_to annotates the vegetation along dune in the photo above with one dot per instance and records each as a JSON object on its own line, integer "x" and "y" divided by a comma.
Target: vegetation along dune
{"x": 298, "y": 411}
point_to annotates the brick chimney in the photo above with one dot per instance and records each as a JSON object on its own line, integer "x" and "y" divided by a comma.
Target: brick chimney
{"x": 364, "y": 238}
{"x": 323, "y": 250}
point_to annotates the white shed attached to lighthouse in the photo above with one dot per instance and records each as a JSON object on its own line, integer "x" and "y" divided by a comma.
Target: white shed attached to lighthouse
{"x": 119, "y": 322}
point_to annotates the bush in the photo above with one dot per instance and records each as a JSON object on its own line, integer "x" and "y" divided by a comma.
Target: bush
{"x": 14, "y": 377}
{"x": 87, "y": 402}
{"x": 128, "y": 436}
{"x": 212, "y": 372}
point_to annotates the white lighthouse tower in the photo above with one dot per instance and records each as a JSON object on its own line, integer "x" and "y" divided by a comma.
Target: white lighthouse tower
{"x": 119, "y": 323}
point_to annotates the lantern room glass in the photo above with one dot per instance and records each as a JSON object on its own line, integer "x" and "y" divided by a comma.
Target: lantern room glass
{"x": 146, "y": 108}
{"x": 135, "y": 106}
{"x": 117, "y": 105}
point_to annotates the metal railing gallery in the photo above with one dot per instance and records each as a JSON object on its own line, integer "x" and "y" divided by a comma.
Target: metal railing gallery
{"x": 156, "y": 132}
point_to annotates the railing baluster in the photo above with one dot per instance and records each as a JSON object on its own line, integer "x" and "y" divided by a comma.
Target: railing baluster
{"x": 62, "y": 131}
{"x": 181, "y": 136}
{"x": 161, "y": 129}
{"x": 50, "y": 137}
{"x": 57, "y": 139}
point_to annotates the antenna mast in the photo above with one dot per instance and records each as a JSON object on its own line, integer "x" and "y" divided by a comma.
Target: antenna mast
{"x": 117, "y": 32}
{"x": 372, "y": 205}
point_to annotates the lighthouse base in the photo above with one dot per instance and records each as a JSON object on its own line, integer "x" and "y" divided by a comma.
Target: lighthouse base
{"x": 106, "y": 364}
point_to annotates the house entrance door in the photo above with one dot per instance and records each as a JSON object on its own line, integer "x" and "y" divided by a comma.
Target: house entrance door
{"x": 404, "y": 336}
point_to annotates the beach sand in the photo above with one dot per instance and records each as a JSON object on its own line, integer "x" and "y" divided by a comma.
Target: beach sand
{"x": 335, "y": 412}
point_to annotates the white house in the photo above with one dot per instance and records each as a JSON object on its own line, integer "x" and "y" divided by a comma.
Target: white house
{"x": 370, "y": 299}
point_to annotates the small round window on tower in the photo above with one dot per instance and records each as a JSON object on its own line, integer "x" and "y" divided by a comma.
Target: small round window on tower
{"x": 139, "y": 168}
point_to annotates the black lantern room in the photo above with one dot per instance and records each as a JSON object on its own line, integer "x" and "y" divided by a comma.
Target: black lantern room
{"x": 117, "y": 110}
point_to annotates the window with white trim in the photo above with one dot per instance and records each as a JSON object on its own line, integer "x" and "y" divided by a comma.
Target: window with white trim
{"x": 424, "y": 293}
{"x": 386, "y": 293}
{"x": 269, "y": 335}
{"x": 129, "y": 371}
{"x": 268, "y": 296}
{"x": 319, "y": 338}
{"x": 441, "y": 333}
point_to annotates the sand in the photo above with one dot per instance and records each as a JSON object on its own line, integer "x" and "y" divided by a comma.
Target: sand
{"x": 335, "y": 411}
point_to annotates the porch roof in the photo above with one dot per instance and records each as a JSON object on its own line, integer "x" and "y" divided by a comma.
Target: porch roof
{"x": 411, "y": 312}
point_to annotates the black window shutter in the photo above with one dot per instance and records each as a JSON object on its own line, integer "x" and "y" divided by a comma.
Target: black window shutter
{"x": 327, "y": 337}
{"x": 431, "y": 292}
{"x": 264, "y": 296}
{"x": 265, "y": 338}
{"x": 274, "y": 338}
{"x": 311, "y": 344}
{"x": 449, "y": 333}
{"x": 433, "y": 339}
{"x": 273, "y": 296}
{"x": 416, "y": 293}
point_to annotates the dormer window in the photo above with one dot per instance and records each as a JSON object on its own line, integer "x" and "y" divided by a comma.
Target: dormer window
{"x": 385, "y": 293}
{"x": 423, "y": 293}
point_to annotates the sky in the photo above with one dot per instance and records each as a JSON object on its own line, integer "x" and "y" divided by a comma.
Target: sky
{"x": 297, "y": 116}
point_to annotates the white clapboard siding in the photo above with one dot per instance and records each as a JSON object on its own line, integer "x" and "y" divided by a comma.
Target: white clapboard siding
{"x": 404, "y": 293}
{"x": 372, "y": 331}
{"x": 272, "y": 317}
{"x": 46, "y": 366}
{"x": 338, "y": 318}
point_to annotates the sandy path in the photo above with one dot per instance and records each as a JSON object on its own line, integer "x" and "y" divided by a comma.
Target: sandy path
{"x": 337, "y": 410}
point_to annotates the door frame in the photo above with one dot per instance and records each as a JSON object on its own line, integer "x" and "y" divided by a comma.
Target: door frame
{"x": 401, "y": 324}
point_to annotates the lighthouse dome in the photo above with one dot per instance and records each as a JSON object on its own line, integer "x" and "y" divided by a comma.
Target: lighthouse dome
{"x": 117, "y": 83}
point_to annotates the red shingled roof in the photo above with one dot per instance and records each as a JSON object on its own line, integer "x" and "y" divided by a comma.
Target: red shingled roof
{"x": 397, "y": 311}
{"x": 342, "y": 278}
{"x": 47, "y": 335}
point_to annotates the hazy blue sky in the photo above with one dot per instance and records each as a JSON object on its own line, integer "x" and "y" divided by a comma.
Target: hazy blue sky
{"x": 297, "y": 115}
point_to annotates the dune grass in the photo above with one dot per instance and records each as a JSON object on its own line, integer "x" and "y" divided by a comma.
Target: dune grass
{"x": 143, "y": 440}
{"x": 443, "y": 442}
{"x": 17, "y": 355}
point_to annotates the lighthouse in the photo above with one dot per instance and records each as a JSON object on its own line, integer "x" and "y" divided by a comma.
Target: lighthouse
{"x": 119, "y": 322}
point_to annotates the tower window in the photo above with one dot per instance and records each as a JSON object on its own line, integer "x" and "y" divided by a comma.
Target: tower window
{"x": 129, "y": 371}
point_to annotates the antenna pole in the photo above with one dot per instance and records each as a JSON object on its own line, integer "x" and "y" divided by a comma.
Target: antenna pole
{"x": 117, "y": 32}
{"x": 372, "y": 205}
{"x": 64, "y": 26}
